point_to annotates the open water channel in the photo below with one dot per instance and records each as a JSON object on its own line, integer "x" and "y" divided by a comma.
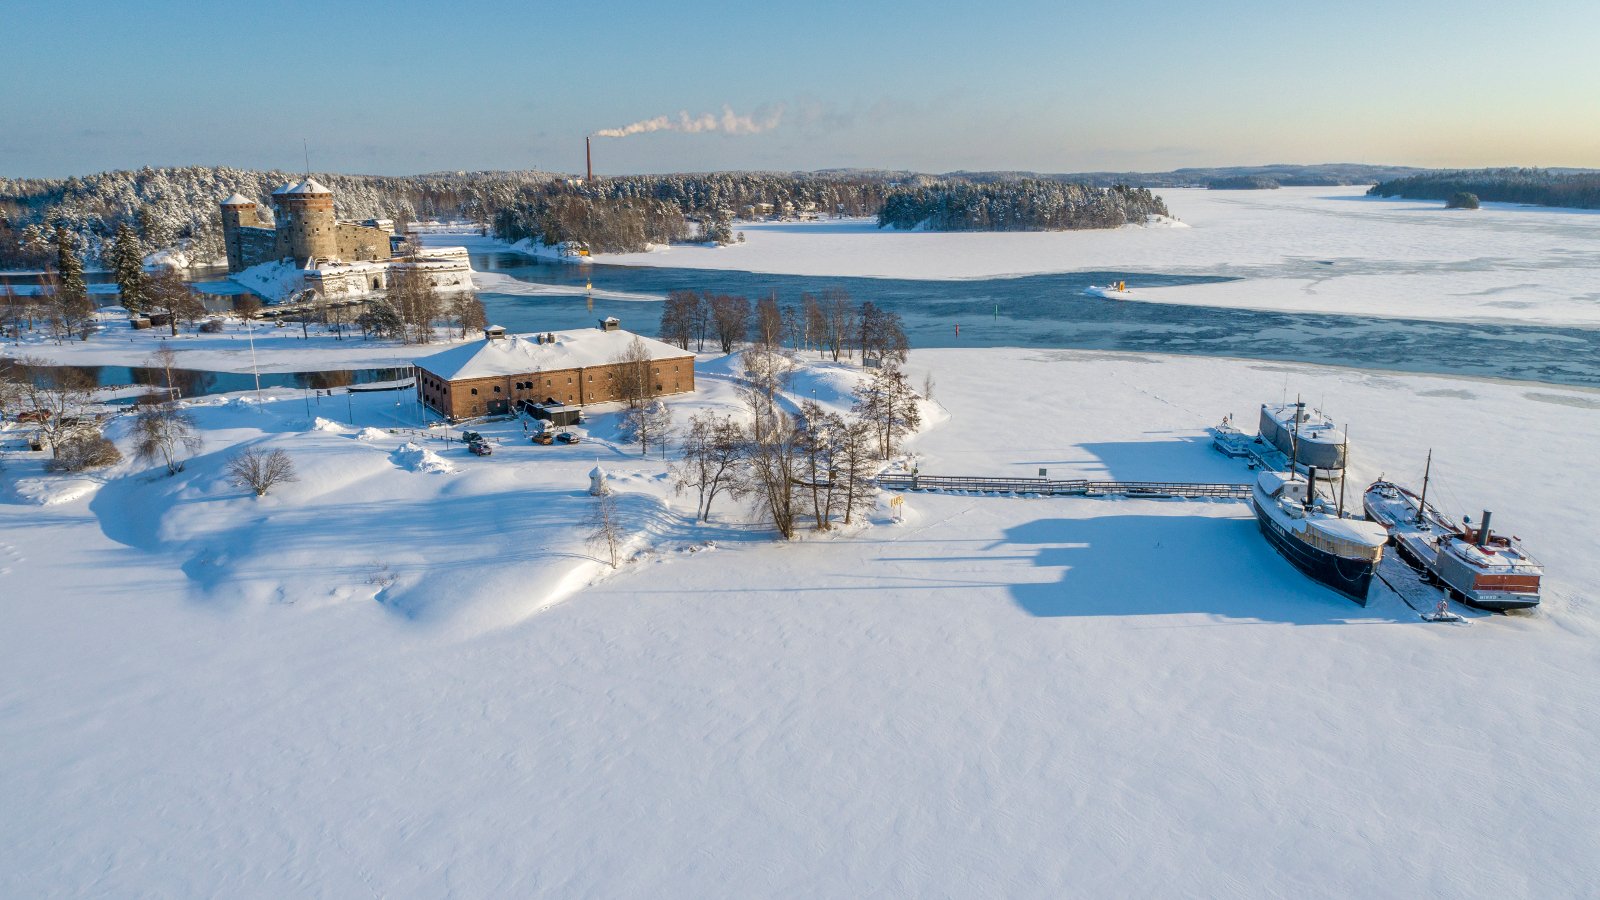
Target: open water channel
{"x": 1042, "y": 311}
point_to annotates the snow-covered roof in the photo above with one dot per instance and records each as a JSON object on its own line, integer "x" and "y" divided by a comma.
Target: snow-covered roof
{"x": 1356, "y": 531}
{"x": 238, "y": 199}
{"x": 519, "y": 355}
{"x": 309, "y": 186}
{"x": 283, "y": 188}
{"x": 597, "y": 472}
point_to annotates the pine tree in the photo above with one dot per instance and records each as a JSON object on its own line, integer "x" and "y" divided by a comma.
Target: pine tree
{"x": 127, "y": 267}
{"x": 68, "y": 267}
{"x": 72, "y": 306}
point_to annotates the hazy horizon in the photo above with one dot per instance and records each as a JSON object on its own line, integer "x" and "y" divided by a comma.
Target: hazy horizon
{"x": 928, "y": 87}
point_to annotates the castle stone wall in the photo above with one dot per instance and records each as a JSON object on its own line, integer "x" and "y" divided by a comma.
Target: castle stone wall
{"x": 251, "y": 246}
{"x": 361, "y": 242}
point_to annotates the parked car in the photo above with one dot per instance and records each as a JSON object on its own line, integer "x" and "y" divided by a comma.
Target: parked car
{"x": 567, "y": 437}
{"x": 471, "y": 437}
{"x": 33, "y": 415}
{"x": 543, "y": 437}
{"x": 480, "y": 448}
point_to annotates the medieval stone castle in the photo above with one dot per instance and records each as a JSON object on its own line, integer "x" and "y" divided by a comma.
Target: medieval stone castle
{"x": 334, "y": 258}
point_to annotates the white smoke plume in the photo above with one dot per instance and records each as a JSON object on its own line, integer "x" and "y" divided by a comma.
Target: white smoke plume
{"x": 729, "y": 122}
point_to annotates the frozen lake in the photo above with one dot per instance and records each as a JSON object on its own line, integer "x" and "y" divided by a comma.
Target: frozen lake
{"x": 1051, "y": 311}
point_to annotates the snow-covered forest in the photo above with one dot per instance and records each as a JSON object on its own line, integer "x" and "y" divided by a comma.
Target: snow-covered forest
{"x": 1541, "y": 187}
{"x": 173, "y": 207}
{"x": 1025, "y": 205}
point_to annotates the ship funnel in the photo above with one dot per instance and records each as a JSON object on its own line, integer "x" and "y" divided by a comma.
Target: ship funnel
{"x": 1483, "y": 529}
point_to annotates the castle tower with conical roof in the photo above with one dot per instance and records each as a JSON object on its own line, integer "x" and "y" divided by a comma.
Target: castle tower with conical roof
{"x": 238, "y": 212}
{"x": 306, "y": 226}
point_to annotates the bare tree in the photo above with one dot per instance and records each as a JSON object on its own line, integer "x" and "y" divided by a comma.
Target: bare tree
{"x": 766, "y": 376}
{"x": 164, "y": 431}
{"x": 836, "y": 315}
{"x": 700, "y": 319}
{"x": 927, "y": 386}
{"x": 881, "y": 335}
{"x": 247, "y": 305}
{"x": 164, "y": 360}
{"x": 817, "y": 435}
{"x": 61, "y": 397}
{"x": 633, "y": 380}
{"x": 888, "y": 402}
{"x": 769, "y": 323}
{"x": 84, "y": 450}
{"x": 414, "y": 297}
{"x": 166, "y": 290}
{"x": 856, "y": 466}
{"x": 467, "y": 311}
{"x": 730, "y": 317}
{"x": 774, "y": 470}
{"x": 649, "y": 425}
{"x": 260, "y": 470}
{"x": 678, "y": 317}
{"x": 713, "y": 452}
{"x": 10, "y": 388}
{"x": 603, "y": 526}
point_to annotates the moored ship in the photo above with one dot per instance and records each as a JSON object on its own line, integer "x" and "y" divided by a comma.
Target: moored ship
{"x": 1307, "y": 437}
{"x": 1478, "y": 567}
{"x": 1312, "y": 533}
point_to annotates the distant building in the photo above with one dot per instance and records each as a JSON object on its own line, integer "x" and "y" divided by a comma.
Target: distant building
{"x": 336, "y": 258}
{"x": 496, "y": 375}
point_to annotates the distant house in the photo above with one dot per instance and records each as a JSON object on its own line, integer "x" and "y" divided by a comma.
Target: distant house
{"x": 498, "y": 374}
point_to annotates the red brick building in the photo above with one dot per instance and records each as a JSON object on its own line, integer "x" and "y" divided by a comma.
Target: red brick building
{"x": 494, "y": 375}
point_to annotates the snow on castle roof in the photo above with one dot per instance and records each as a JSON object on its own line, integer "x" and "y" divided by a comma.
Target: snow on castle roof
{"x": 516, "y": 355}
{"x": 238, "y": 199}
{"x": 309, "y": 186}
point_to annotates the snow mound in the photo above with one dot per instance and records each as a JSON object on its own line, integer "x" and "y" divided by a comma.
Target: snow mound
{"x": 51, "y": 491}
{"x": 418, "y": 458}
{"x": 370, "y": 434}
{"x": 271, "y": 280}
{"x": 322, "y": 424}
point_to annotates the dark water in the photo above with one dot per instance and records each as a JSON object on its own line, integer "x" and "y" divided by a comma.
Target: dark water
{"x": 1051, "y": 311}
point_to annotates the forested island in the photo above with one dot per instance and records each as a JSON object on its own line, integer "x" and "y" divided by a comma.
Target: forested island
{"x": 1244, "y": 183}
{"x": 1540, "y": 187}
{"x": 1024, "y": 205}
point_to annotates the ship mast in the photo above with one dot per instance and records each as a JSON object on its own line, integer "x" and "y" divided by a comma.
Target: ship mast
{"x": 1294, "y": 456}
{"x": 1422, "y": 507}
{"x": 1344, "y": 473}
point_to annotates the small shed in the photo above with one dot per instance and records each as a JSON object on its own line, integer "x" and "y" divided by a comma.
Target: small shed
{"x": 555, "y": 413}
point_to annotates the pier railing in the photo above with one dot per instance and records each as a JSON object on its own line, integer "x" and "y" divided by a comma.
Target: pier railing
{"x": 1067, "y": 488}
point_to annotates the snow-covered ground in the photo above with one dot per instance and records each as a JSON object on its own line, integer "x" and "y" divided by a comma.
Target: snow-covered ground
{"x": 387, "y": 681}
{"x": 277, "y": 349}
{"x": 1330, "y": 250}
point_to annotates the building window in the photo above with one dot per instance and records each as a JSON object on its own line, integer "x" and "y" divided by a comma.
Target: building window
{"x": 497, "y": 389}
{"x": 474, "y": 392}
{"x": 591, "y": 377}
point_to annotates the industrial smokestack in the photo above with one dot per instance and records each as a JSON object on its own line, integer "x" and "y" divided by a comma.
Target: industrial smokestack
{"x": 1483, "y": 529}
{"x": 588, "y": 155}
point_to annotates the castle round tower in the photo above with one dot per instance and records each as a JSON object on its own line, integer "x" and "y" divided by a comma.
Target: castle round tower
{"x": 306, "y": 226}
{"x": 237, "y": 211}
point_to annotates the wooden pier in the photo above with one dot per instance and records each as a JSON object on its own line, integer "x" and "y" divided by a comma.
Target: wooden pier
{"x": 1067, "y": 488}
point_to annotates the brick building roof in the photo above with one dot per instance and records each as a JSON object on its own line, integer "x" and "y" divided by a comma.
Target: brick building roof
{"x": 522, "y": 354}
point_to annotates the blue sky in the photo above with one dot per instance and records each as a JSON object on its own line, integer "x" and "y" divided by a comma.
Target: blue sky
{"x": 400, "y": 87}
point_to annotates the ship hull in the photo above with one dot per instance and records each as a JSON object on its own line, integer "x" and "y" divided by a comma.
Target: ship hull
{"x": 1350, "y": 577}
{"x": 1311, "y": 451}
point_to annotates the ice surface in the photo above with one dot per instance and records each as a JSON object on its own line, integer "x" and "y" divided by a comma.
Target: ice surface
{"x": 1327, "y": 249}
{"x": 384, "y": 685}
